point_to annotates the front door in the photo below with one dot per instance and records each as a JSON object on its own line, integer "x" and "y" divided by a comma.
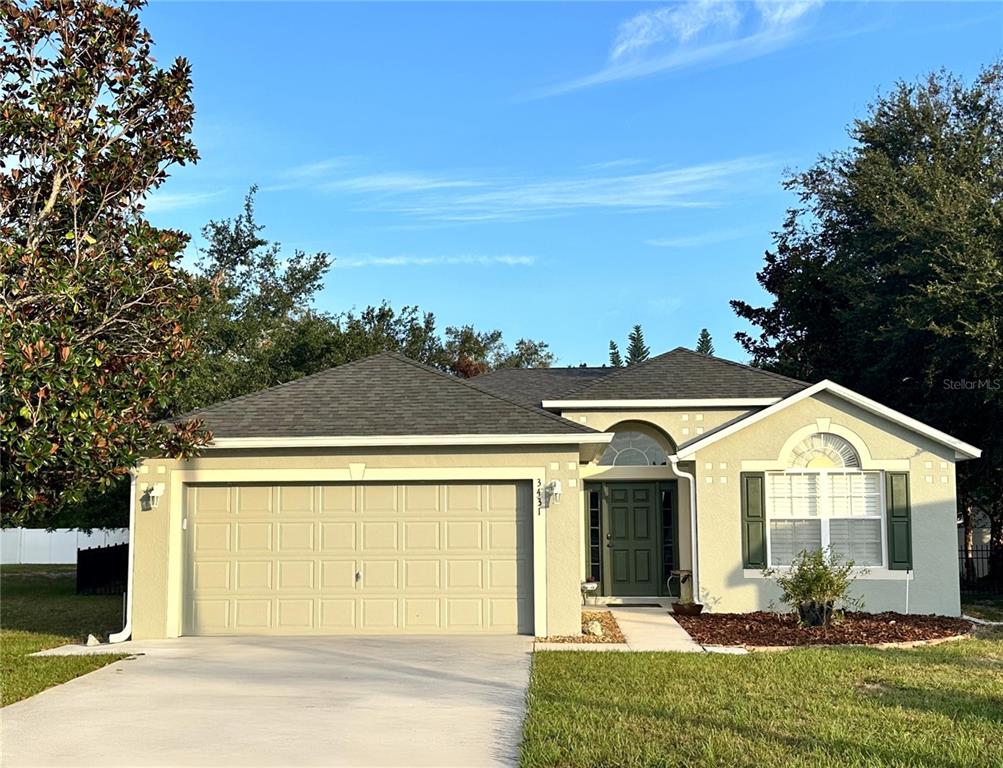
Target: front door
{"x": 631, "y": 566}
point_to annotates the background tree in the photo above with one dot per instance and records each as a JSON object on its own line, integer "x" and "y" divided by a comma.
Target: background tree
{"x": 383, "y": 329}
{"x": 615, "y": 360}
{"x": 525, "y": 354}
{"x": 261, "y": 306}
{"x": 262, "y": 329}
{"x": 887, "y": 276}
{"x": 97, "y": 318}
{"x": 637, "y": 350}
{"x": 705, "y": 344}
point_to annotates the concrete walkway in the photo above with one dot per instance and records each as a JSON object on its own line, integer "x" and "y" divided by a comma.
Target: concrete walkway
{"x": 648, "y": 628}
{"x": 653, "y": 629}
{"x": 296, "y": 701}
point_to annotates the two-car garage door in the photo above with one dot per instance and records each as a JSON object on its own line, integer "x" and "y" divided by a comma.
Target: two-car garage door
{"x": 358, "y": 558}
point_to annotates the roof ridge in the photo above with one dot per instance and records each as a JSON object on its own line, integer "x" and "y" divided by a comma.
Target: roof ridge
{"x": 468, "y": 383}
{"x": 743, "y": 366}
{"x": 617, "y": 372}
{"x": 620, "y": 371}
{"x": 549, "y": 369}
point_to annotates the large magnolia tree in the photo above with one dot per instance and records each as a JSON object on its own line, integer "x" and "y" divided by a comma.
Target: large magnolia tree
{"x": 95, "y": 314}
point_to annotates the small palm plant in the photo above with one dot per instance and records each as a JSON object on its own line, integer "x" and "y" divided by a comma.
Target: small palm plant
{"x": 817, "y": 586}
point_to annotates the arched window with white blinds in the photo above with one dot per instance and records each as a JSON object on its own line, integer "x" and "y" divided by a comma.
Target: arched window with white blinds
{"x": 825, "y": 501}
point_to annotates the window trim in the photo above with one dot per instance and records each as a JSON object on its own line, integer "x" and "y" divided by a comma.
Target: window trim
{"x": 825, "y": 504}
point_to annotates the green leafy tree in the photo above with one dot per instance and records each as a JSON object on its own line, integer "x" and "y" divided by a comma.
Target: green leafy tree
{"x": 887, "y": 276}
{"x": 615, "y": 360}
{"x": 261, "y": 306}
{"x": 637, "y": 350}
{"x": 705, "y": 344}
{"x": 525, "y": 354}
{"x": 467, "y": 352}
{"x": 262, "y": 330}
{"x": 97, "y": 318}
{"x": 383, "y": 329}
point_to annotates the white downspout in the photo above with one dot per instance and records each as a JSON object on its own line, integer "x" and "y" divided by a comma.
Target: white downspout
{"x": 908, "y": 578}
{"x": 693, "y": 526}
{"x": 126, "y": 632}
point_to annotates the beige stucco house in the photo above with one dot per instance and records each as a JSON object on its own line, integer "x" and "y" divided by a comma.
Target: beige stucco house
{"x": 383, "y": 496}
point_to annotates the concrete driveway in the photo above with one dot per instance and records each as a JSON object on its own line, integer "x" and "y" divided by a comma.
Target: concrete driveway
{"x": 358, "y": 701}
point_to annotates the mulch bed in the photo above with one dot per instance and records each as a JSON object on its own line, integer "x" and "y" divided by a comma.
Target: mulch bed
{"x": 611, "y": 630}
{"x": 762, "y": 629}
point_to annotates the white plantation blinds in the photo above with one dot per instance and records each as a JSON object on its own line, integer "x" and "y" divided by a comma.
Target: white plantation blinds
{"x": 791, "y": 537}
{"x": 855, "y": 495}
{"x": 856, "y": 540}
{"x": 795, "y": 495}
{"x": 838, "y": 509}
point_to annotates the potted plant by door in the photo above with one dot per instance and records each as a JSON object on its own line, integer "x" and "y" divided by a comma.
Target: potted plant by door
{"x": 589, "y": 589}
{"x": 685, "y": 606}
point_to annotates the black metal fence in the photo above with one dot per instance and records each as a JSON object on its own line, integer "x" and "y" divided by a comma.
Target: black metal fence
{"x": 981, "y": 571}
{"x": 102, "y": 570}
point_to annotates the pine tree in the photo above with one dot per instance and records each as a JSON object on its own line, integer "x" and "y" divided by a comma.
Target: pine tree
{"x": 637, "y": 350}
{"x": 705, "y": 345}
{"x": 614, "y": 355}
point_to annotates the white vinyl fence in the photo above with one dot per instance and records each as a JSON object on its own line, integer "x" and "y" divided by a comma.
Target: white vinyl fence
{"x": 37, "y": 545}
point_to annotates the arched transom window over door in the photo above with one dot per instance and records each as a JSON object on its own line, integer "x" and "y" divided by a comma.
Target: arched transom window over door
{"x": 632, "y": 448}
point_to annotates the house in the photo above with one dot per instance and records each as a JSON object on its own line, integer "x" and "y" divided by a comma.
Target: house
{"x": 383, "y": 496}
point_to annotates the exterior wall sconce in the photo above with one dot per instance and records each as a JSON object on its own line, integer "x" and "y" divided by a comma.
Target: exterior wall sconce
{"x": 551, "y": 492}
{"x": 151, "y": 496}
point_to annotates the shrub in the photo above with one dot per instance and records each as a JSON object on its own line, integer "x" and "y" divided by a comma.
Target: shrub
{"x": 816, "y": 586}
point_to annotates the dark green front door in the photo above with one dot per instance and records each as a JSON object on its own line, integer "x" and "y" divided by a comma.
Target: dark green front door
{"x": 632, "y": 560}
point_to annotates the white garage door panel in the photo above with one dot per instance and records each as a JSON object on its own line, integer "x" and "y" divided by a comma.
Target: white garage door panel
{"x": 328, "y": 559}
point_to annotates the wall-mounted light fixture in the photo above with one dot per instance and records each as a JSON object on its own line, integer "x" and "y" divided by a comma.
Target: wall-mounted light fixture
{"x": 151, "y": 495}
{"x": 551, "y": 492}
{"x": 555, "y": 491}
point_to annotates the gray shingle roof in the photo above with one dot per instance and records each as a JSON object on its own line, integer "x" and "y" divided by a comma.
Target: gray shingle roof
{"x": 531, "y": 386}
{"x": 387, "y": 394}
{"x": 685, "y": 374}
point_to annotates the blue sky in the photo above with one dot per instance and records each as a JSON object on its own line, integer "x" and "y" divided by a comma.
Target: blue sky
{"x": 559, "y": 171}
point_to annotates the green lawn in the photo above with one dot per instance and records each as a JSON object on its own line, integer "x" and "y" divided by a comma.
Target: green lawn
{"x": 988, "y": 607}
{"x": 38, "y": 609}
{"x": 937, "y": 706}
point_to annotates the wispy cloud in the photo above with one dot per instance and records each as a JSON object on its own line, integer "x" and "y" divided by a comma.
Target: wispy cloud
{"x": 694, "y": 241}
{"x": 623, "y": 162}
{"x": 680, "y": 22}
{"x": 396, "y": 182}
{"x": 688, "y": 187}
{"x": 357, "y": 262}
{"x": 698, "y": 32}
{"x": 615, "y": 185}
{"x": 172, "y": 201}
{"x": 305, "y": 175}
{"x": 508, "y": 199}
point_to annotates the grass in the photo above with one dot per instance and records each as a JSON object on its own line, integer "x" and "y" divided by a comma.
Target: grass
{"x": 987, "y": 607}
{"x": 938, "y": 706}
{"x": 39, "y": 609}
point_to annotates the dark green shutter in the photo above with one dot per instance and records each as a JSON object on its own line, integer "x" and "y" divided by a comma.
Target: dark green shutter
{"x": 899, "y": 521}
{"x": 753, "y": 519}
